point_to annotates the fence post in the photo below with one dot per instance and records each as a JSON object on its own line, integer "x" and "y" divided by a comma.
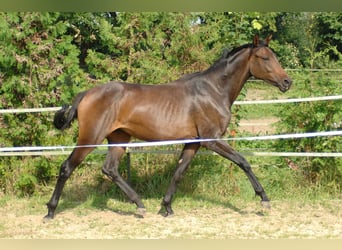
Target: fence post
{"x": 128, "y": 166}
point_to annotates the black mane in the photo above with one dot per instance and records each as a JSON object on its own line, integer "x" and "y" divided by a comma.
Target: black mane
{"x": 227, "y": 53}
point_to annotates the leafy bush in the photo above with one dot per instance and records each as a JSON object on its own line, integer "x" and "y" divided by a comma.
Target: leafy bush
{"x": 315, "y": 117}
{"x": 45, "y": 169}
{"x": 26, "y": 184}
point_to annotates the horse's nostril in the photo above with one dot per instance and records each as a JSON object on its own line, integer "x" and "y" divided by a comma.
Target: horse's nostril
{"x": 287, "y": 81}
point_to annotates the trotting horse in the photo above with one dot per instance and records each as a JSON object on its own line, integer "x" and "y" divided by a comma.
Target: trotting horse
{"x": 195, "y": 106}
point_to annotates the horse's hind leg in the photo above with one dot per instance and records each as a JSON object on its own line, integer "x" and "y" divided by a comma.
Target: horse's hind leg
{"x": 111, "y": 166}
{"x": 66, "y": 170}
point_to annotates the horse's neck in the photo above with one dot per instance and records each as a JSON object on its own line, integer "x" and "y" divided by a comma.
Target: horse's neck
{"x": 237, "y": 74}
{"x": 228, "y": 78}
{"x": 235, "y": 86}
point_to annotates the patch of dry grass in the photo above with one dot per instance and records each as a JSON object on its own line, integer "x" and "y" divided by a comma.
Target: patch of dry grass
{"x": 22, "y": 219}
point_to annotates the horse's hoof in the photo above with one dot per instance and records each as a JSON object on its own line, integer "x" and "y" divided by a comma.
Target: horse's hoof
{"x": 165, "y": 213}
{"x": 141, "y": 211}
{"x": 47, "y": 218}
{"x": 169, "y": 215}
{"x": 266, "y": 204}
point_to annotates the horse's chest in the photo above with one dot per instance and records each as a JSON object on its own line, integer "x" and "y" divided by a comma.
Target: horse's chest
{"x": 213, "y": 120}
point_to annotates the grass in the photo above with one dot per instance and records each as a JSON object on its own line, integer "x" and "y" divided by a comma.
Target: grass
{"x": 183, "y": 203}
{"x": 210, "y": 181}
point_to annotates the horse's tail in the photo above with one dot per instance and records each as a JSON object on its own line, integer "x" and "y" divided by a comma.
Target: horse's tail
{"x": 64, "y": 117}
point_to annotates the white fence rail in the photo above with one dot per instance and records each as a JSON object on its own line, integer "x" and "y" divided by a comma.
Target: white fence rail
{"x": 62, "y": 150}
{"x": 295, "y": 100}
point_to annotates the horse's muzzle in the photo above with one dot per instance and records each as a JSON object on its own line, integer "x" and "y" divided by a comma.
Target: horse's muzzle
{"x": 285, "y": 84}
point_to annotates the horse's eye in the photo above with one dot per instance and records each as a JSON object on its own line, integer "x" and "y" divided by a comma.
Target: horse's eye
{"x": 266, "y": 58}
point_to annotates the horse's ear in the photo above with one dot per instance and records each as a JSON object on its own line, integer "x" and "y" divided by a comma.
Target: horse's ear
{"x": 268, "y": 39}
{"x": 225, "y": 53}
{"x": 256, "y": 40}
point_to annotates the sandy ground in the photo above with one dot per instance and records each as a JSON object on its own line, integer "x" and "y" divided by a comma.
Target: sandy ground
{"x": 287, "y": 220}
{"x": 258, "y": 126}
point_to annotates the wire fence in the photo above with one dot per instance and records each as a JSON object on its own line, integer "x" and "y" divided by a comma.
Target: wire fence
{"x": 132, "y": 147}
{"x": 277, "y": 101}
{"x": 138, "y": 147}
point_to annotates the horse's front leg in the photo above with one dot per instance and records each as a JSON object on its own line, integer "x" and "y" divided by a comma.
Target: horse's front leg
{"x": 188, "y": 153}
{"x": 228, "y": 152}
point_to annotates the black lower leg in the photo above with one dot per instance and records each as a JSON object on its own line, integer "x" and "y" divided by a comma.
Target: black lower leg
{"x": 228, "y": 152}
{"x": 66, "y": 170}
{"x": 188, "y": 153}
{"x": 259, "y": 190}
{"x": 130, "y": 193}
{"x": 110, "y": 169}
{"x": 166, "y": 209}
{"x": 64, "y": 174}
{"x": 52, "y": 204}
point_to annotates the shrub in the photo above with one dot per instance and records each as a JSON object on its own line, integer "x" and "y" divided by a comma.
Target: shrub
{"x": 315, "y": 117}
{"x": 26, "y": 184}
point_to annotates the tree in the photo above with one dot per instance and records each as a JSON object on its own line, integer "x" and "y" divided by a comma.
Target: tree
{"x": 39, "y": 69}
{"x": 329, "y": 28}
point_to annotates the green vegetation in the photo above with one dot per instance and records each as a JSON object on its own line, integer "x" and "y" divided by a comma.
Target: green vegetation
{"x": 46, "y": 58}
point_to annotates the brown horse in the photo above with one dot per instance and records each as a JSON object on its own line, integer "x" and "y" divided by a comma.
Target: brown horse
{"x": 195, "y": 106}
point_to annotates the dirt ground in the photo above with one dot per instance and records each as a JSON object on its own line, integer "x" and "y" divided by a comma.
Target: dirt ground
{"x": 258, "y": 126}
{"x": 286, "y": 220}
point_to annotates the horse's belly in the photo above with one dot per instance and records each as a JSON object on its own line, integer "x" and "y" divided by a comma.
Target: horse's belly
{"x": 160, "y": 129}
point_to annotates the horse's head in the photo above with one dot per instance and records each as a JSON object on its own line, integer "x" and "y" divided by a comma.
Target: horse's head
{"x": 264, "y": 65}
